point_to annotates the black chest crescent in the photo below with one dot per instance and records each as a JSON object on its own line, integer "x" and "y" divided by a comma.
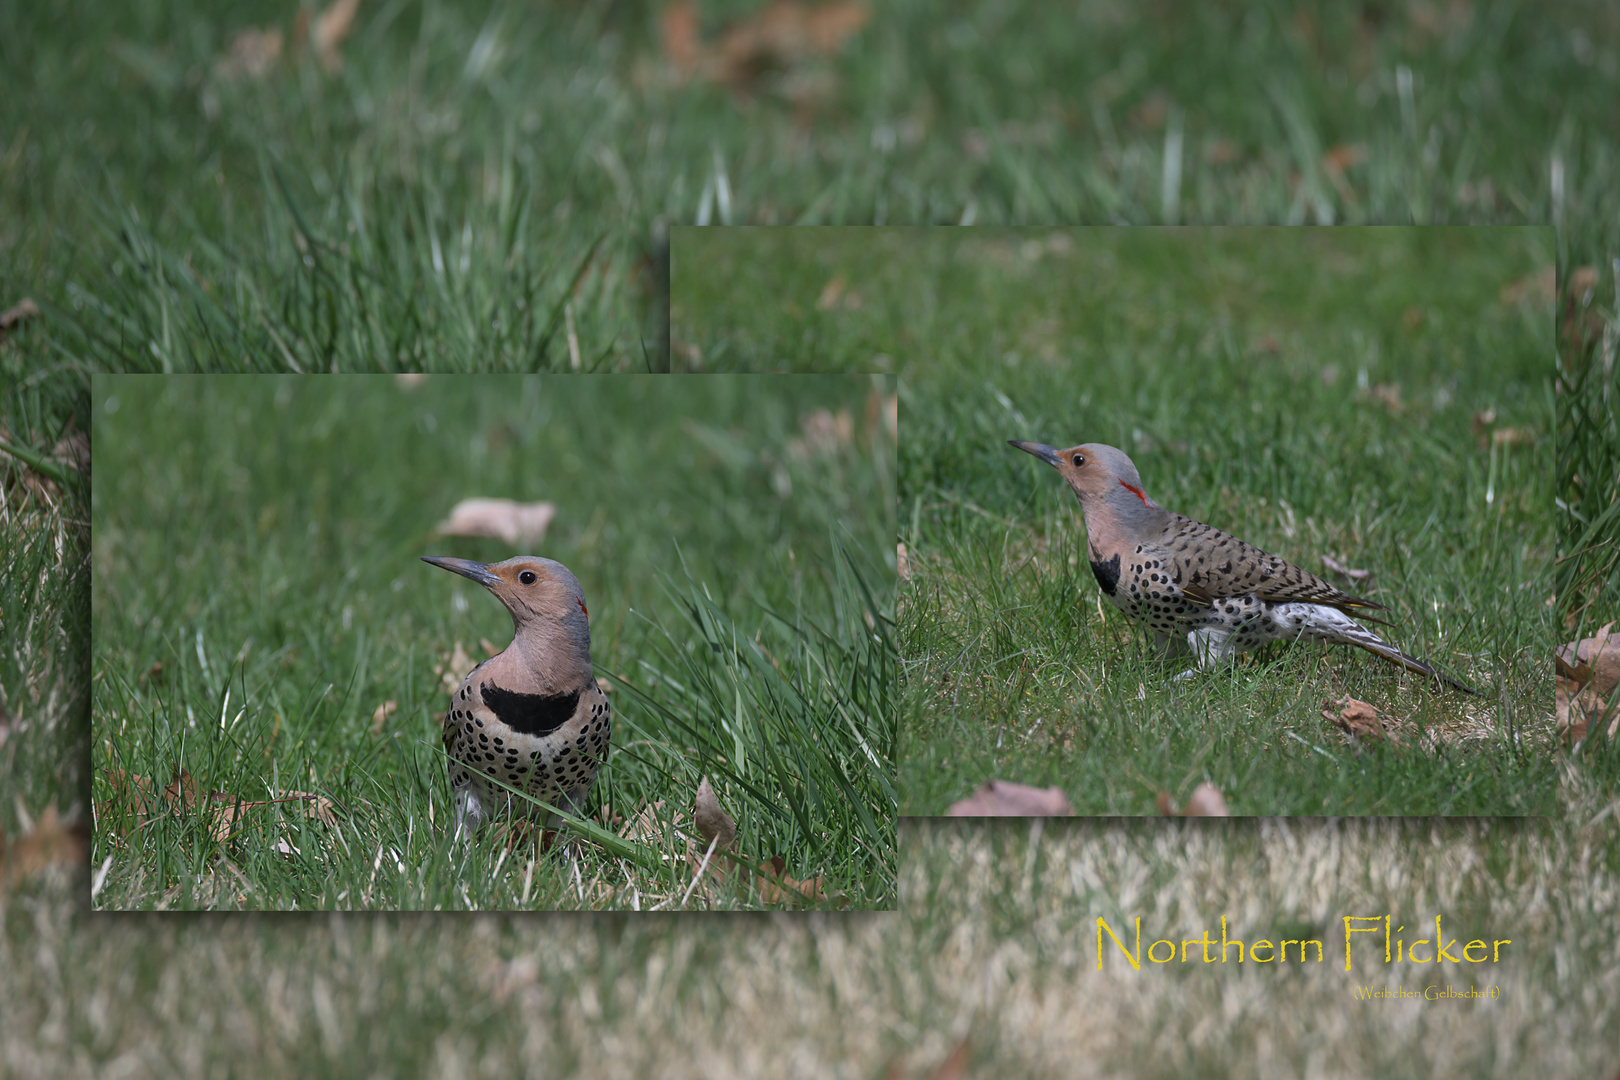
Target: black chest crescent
{"x": 529, "y": 714}
{"x": 1107, "y": 574}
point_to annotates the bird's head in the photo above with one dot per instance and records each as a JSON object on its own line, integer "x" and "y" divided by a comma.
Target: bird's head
{"x": 538, "y": 592}
{"x": 1100, "y": 475}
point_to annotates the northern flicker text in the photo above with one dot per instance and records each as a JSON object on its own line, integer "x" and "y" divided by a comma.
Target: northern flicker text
{"x": 1397, "y": 944}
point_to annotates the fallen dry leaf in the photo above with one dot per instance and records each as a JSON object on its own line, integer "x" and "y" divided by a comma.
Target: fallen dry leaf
{"x": 1386, "y": 394}
{"x": 776, "y": 887}
{"x": 1002, "y": 798}
{"x": 50, "y": 842}
{"x": 489, "y": 647}
{"x": 1339, "y": 568}
{"x": 1206, "y": 801}
{"x": 252, "y": 54}
{"x": 331, "y": 27}
{"x": 902, "y": 564}
{"x": 783, "y": 37}
{"x": 15, "y": 316}
{"x": 1221, "y": 151}
{"x": 410, "y": 380}
{"x": 380, "y": 717}
{"x": 1344, "y": 156}
{"x": 825, "y": 433}
{"x": 1507, "y": 438}
{"x": 1591, "y": 660}
{"x": 1586, "y": 674}
{"x": 645, "y": 824}
{"x": 519, "y": 524}
{"x": 454, "y": 669}
{"x": 1538, "y": 287}
{"x": 1359, "y": 719}
{"x": 712, "y": 820}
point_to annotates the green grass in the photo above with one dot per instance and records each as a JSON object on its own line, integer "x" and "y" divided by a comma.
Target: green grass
{"x": 44, "y": 606}
{"x": 257, "y": 538}
{"x": 1243, "y": 370}
{"x": 986, "y": 112}
{"x": 475, "y": 176}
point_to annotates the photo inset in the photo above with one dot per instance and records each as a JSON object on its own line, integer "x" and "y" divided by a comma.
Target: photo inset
{"x": 493, "y": 643}
{"x": 1194, "y": 521}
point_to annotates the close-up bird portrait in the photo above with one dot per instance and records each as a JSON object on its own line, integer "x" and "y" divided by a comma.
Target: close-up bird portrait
{"x": 656, "y": 677}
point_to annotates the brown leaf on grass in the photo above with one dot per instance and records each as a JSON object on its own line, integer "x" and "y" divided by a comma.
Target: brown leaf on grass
{"x": 1508, "y": 438}
{"x": 1591, "y": 660}
{"x": 50, "y": 842}
{"x": 716, "y": 826}
{"x": 1222, "y": 151}
{"x": 1344, "y": 156}
{"x": 901, "y": 563}
{"x": 1359, "y": 720}
{"x": 1002, "y": 798}
{"x": 777, "y": 887}
{"x": 454, "y": 669}
{"x": 130, "y": 804}
{"x": 410, "y": 380}
{"x": 1386, "y": 394}
{"x": 1539, "y": 287}
{"x": 825, "y": 434}
{"x": 683, "y": 42}
{"x": 518, "y": 524}
{"x": 1151, "y": 112}
{"x": 645, "y": 824}
{"x": 1583, "y": 282}
{"x": 837, "y": 294}
{"x": 252, "y": 54}
{"x": 1586, "y": 674}
{"x": 784, "y": 36}
{"x": 127, "y": 804}
{"x": 1206, "y": 801}
{"x": 15, "y": 316}
{"x": 1339, "y": 568}
{"x": 380, "y": 717}
{"x": 954, "y": 1067}
{"x": 489, "y": 647}
{"x": 330, "y": 28}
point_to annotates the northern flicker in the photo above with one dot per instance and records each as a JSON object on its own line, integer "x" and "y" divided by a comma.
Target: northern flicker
{"x": 1198, "y": 589}
{"x": 532, "y": 716}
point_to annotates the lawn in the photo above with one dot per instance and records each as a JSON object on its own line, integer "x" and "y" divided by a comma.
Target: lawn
{"x": 1374, "y": 397}
{"x": 259, "y": 601}
{"x": 162, "y": 209}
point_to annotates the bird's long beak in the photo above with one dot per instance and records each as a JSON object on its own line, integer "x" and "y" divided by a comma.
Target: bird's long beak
{"x": 478, "y": 571}
{"x": 1040, "y": 450}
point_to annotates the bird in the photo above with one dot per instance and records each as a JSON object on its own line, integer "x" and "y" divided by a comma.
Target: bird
{"x": 1198, "y": 589}
{"x": 532, "y": 716}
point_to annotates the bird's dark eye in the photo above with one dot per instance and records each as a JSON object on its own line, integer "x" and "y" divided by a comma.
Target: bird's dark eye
{"x": 527, "y": 577}
{"x": 1079, "y": 460}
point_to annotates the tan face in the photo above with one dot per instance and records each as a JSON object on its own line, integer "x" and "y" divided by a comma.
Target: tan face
{"x": 1091, "y": 469}
{"x": 524, "y": 584}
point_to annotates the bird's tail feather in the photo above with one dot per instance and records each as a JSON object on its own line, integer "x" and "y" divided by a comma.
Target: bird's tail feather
{"x": 1379, "y": 647}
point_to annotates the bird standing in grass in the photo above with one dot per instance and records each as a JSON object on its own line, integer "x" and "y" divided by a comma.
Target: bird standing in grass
{"x": 1198, "y": 589}
{"x": 532, "y": 716}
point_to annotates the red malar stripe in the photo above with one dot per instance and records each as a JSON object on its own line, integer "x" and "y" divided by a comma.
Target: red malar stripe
{"x": 1138, "y": 492}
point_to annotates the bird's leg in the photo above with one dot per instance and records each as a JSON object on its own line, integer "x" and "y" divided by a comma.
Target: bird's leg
{"x": 1210, "y": 645}
{"x": 1169, "y": 646}
{"x": 470, "y": 812}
